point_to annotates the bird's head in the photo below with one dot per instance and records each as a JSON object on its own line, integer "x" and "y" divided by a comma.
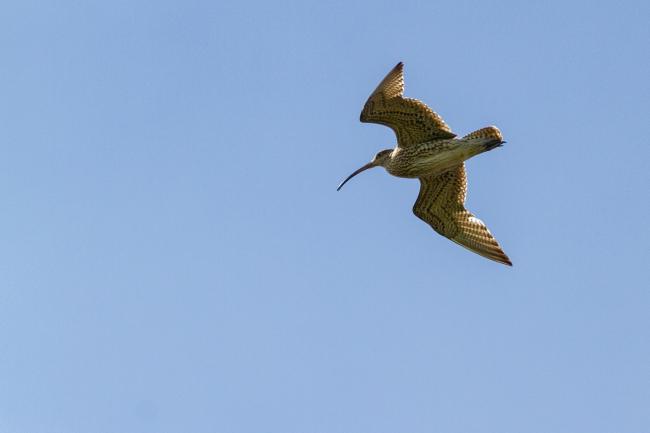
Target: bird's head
{"x": 381, "y": 159}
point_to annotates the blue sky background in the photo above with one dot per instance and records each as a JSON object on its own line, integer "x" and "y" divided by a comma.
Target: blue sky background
{"x": 175, "y": 256}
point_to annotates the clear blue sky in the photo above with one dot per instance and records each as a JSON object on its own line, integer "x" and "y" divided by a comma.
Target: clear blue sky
{"x": 175, "y": 256}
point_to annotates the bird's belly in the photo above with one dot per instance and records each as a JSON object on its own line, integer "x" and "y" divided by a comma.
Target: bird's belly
{"x": 424, "y": 165}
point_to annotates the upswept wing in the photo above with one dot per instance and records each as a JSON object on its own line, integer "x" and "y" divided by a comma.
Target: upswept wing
{"x": 412, "y": 121}
{"x": 441, "y": 204}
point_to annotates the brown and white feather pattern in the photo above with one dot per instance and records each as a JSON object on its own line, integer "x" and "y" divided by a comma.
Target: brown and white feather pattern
{"x": 412, "y": 121}
{"x": 441, "y": 204}
{"x": 487, "y": 132}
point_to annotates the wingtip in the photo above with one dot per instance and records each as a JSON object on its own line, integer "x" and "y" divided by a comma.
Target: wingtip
{"x": 499, "y": 258}
{"x": 503, "y": 258}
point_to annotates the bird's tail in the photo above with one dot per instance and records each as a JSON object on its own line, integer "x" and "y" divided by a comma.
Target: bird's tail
{"x": 490, "y": 137}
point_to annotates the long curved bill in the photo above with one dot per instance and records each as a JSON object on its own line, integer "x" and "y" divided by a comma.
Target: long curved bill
{"x": 365, "y": 167}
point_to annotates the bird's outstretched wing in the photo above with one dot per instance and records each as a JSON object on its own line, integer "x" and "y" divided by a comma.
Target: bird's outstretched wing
{"x": 412, "y": 121}
{"x": 441, "y": 204}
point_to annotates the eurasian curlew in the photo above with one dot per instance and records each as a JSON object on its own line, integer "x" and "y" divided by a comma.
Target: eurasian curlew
{"x": 428, "y": 150}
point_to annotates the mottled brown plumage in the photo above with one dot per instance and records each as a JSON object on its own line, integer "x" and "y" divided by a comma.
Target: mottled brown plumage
{"x": 412, "y": 121}
{"x": 429, "y": 150}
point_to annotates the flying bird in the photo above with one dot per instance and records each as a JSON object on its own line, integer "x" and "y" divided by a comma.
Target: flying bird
{"x": 428, "y": 150}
